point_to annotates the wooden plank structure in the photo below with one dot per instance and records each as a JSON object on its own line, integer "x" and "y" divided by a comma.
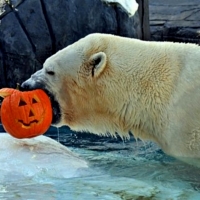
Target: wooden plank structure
{"x": 175, "y": 20}
{"x": 144, "y": 18}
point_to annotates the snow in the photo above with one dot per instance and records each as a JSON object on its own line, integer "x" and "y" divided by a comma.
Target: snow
{"x": 129, "y": 5}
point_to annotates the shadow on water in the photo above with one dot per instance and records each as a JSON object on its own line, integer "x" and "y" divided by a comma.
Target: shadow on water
{"x": 118, "y": 170}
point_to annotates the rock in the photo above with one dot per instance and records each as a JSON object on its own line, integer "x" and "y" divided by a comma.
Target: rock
{"x": 17, "y": 54}
{"x": 32, "y": 20}
{"x": 37, "y": 157}
{"x": 31, "y": 31}
{"x": 175, "y": 20}
{"x": 2, "y": 72}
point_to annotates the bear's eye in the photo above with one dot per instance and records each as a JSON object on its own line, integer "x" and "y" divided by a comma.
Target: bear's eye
{"x": 51, "y": 73}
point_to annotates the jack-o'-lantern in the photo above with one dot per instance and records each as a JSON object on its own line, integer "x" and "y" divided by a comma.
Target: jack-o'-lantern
{"x": 25, "y": 114}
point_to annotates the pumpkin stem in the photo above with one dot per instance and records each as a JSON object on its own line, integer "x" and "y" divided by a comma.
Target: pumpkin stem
{"x": 18, "y": 86}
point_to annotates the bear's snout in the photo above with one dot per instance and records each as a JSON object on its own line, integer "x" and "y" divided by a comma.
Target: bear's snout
{"x": 25, "y": 85}
{"x": 31, "y": 85}
{"x": 34, "y": 82}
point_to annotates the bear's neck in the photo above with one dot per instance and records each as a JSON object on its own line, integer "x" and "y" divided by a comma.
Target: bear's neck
{"x": 144, "y": 118}
{"x": 146, "y": 113}
{"x": 150, "y": 95}
{"x": 149, "y": 124}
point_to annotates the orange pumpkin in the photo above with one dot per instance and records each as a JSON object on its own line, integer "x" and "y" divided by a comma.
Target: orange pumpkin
{"x": 25, "y": 114}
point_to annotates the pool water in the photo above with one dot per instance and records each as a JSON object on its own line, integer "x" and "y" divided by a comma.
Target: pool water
{"x": 118, "y": 170}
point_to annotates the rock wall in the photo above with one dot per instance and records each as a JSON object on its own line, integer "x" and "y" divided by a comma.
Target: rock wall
{"x": 32, "y": 30}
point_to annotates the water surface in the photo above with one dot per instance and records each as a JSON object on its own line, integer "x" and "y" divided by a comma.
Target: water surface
{"x": 118, "y": 170}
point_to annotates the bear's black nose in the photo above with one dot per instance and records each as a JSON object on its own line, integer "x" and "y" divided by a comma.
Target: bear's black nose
{"x": 24, "y": 85}
{"x": 31, "y": 84}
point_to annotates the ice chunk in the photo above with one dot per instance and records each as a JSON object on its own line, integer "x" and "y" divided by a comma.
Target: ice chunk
{"x": 37, "y": 156}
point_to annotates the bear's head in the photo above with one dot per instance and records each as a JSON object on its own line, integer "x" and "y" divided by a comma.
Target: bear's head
{"x": 88, "y": 82}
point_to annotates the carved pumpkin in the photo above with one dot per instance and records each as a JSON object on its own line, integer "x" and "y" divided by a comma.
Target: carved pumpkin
{"x": 25, "y": 114}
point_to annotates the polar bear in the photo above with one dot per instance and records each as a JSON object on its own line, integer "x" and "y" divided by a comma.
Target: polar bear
{"x": 108, "y": 84}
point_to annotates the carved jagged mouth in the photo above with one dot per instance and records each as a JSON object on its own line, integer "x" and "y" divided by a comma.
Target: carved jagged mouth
{"x": 55, "y": 105}
{"x": 28, "y": 125}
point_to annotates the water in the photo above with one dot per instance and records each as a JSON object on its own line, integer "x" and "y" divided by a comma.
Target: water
{"x": 58, "y": 135}
{"x": 117, "y": 171}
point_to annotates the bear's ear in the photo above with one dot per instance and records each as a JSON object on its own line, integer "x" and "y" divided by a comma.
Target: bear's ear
{"x": 98, "y": 62}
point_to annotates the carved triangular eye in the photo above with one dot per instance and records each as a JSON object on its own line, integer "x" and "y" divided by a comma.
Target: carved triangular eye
{"x": 31, "y": 114}
{"x": 34, "y": 101}
{"x": 22, "y": 102}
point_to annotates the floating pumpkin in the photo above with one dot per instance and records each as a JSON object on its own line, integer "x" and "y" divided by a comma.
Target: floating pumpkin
{"x": 25, "y": 114}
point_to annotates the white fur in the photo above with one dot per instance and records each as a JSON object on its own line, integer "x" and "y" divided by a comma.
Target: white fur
{"x": 151, "y": 89}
